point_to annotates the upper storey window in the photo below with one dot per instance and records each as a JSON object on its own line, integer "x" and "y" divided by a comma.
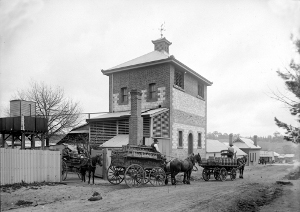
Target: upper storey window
{"x": 179, "y": 79}
{"x": 124, "y": 95}
{"x": 152, "y": 91}
{"x": 200, "y": 89}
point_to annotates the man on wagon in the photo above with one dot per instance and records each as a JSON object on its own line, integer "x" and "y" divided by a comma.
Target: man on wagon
{"x": 230, "y": 151}
{"x": 154, "y": 145}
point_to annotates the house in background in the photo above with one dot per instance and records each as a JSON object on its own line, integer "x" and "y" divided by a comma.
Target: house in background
{"x": 276, "y": 157}
{"x": 289, "y": 158}
{"x": 250, "y": 148}
{"x": 214, "y": 148}
{"x": 267, "y": 156}
{"x": 155, "y": 96}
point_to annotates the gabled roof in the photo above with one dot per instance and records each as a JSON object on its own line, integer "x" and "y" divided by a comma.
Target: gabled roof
{"x": 153, "y": 58}
{"x": 238, "y": 151}
{"x": 245, "y": 143}
{"x": 126, "y": 114}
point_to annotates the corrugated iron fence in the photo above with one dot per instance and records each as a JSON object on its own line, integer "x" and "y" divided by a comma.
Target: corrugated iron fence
{"x": 29, "y": 166}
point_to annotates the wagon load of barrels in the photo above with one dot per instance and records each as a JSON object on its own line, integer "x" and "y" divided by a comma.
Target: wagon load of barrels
{"x": 135, "y": 151}
{"x": 215, "y": 161}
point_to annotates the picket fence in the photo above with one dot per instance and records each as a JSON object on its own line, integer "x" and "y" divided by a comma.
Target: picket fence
{"x": 29, "y": 166}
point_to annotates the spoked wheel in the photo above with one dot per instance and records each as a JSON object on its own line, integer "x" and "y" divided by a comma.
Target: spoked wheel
{"x": 233, "y": 174}
{"x": 217, "y": 173}
{"x": 146, "y": 176}
{"x": 64, "y": 170}
{"x": 223, "y": 174}
{"x": 115, "y": 175}
{"x": 206, "y": 174}
{"x": 157, "y": 176}
{"x": 134, "y": 175}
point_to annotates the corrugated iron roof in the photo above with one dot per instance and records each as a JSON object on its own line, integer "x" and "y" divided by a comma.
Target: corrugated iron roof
{"x": 148, "y": 112}
{"x": 117, "y": 141}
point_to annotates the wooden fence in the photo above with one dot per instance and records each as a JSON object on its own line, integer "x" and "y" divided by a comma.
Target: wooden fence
{"x": 29, "y": 166}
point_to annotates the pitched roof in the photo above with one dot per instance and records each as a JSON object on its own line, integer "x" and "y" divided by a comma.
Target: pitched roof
{"x": 117, "y": 141}
{"x": 238, "y": 151}
{"x": 126, "y": 114}
{"x": 151, "y": 56}
{"x": 215, "y": 146}
{"x": 245, "y": 143}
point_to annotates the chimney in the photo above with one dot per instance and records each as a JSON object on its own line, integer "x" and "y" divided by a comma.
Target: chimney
{"x": 161, "y": 45}
{"x": 255, "y": 140}
{"x": 136, "y": 120}
{"x": 230, "y": 139}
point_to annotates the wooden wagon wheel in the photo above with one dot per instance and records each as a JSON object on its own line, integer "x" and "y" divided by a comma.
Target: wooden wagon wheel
{"x": 146, "y": 176}
{"x": 233, "y": 174}
{"x": 217, "y": 173}
{"x": 134, "y": 175}
{"x": 206, "y": 174}
{"x": 157, "y": 176}
{"x": 115, "y": 174}
{"x": 64, "y": 170}
{"x": 223, "y": 174}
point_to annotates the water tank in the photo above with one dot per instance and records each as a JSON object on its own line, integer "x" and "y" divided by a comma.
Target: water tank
{"x": 22, "y": 108}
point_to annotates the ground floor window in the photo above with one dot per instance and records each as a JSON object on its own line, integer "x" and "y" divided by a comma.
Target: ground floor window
{"x": 180, "y": 138}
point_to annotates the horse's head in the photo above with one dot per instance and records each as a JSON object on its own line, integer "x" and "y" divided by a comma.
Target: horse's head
{"x": 198, "y": 159}
{"x": 98, "y": 160}
{"x": 192, "y": 158}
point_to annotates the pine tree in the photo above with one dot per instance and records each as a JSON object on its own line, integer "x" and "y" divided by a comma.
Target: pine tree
{"x": 291, "y": 76}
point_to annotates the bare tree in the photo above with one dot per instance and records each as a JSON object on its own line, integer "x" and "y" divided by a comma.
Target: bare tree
{"x": 62, "y": 113}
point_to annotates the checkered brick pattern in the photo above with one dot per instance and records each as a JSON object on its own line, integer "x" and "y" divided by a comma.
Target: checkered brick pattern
{"x": 161, "y": 125}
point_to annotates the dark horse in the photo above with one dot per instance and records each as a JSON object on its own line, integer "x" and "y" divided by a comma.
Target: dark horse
{"x": 242, "y": 162}
{"x": 89, "y": 165}
{"x": 176, "y": 166}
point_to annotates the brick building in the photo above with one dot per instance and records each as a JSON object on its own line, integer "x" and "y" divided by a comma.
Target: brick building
{"x": 155, "y": 96}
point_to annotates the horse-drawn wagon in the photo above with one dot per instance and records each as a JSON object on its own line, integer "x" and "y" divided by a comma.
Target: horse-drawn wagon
{"x": 72, "y": 163}
{"x": 220, "y": 167}
{"x": 136, "y": 165}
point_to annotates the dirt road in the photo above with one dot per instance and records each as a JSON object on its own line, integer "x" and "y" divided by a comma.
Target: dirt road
{"x": 256, "y": 191}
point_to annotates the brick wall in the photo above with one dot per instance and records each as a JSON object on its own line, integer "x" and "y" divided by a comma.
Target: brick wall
{"x": 182, "y": 152}
{"x": 140, "y": 79}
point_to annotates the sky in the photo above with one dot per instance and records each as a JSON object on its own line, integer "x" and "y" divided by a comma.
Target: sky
{"x": 238, "y": 45}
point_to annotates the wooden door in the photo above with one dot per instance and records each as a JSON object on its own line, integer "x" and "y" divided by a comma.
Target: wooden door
{"x": 190, "y": 143}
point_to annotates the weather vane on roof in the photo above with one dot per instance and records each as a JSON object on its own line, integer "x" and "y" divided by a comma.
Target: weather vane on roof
{"x": 162, "y": 29}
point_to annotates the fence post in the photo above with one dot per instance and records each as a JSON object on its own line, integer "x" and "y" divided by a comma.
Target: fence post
{"x": 104, "y": 171}
{"x": 3, "y": 140}
{"x": 23, "y": 141}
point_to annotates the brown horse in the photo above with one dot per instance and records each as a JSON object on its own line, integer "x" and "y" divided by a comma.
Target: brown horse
{"x": 89, "y": 166}
{"x": 176, "y": 166}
